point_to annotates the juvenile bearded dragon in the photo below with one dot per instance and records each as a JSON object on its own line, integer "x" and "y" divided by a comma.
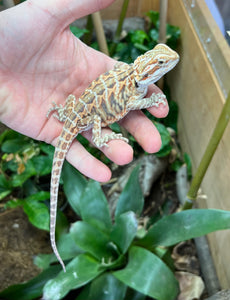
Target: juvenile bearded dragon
{"x": 107, "y": 99}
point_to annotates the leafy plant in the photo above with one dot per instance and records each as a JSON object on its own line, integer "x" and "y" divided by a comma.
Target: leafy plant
{"x": 111, "y": 258}
{"x": 78, "y": 32}
{"x": 24, "y": 168}
{"x": 136, "y": 42}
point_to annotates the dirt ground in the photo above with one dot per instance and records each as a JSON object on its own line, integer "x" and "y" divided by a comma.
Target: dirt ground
{"x": 19, "y": 243}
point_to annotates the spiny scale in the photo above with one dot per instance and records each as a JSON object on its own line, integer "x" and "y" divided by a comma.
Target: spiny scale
{"x": 108, "y": 99}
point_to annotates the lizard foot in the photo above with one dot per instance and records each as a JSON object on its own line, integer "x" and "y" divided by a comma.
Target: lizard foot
{"x": 109, "y": 137}
{"x": 158, "y": 99}
{"x": 60, "y": 115}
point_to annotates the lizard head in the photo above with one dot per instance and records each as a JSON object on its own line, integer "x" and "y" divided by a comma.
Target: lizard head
{"x": 151, "y": 66}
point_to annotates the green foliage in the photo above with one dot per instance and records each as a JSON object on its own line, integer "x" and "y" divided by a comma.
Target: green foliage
{"x": 136, "y": 42}
{"x": 34, "y": 207}
{"x": 102, "y": 254}
{"x": 23, "y": 162}
{"x": 106, "y": 257}
{"x": 165, "y": 139}
{"x": 78, "y": 32}
{"x": 31, "y": 289}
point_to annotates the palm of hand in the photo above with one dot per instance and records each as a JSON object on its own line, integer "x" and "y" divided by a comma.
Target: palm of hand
{"x": 40, "y": 62}
{"x": 39, "y": 67}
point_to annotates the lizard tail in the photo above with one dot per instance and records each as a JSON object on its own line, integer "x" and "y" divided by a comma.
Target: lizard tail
{"x": 64, "y": 142}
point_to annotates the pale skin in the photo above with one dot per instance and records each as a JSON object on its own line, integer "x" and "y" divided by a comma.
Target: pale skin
{"x": 41, "y": 61}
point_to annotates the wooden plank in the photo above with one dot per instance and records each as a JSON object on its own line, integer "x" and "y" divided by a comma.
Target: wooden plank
{"x": 113, "y": 11}
{"x": 213, "y": 42}
{"x": 196, "y": 87}
{"x": 136, "y": 8}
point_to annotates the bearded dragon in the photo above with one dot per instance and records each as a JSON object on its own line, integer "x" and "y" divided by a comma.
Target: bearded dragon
{"x": 107, "y": 100}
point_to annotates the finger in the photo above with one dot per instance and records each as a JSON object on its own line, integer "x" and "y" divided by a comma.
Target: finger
{"x": 87, "y": 164}
{"x": 162, "y": 110}
{"x": 118, "y": 151}
{"x": 143, "y": 131}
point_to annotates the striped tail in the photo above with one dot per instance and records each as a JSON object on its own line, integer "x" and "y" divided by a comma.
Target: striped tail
{"x": 64, "y": 142}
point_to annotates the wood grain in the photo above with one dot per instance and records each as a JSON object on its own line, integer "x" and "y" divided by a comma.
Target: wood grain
{"x": 196, "y": 87}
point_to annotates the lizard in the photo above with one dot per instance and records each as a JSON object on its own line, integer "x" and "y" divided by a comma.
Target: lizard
{"x": 106, "y": 100}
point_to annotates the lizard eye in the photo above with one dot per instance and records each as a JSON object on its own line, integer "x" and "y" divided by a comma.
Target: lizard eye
{"x": 161, "y": 62}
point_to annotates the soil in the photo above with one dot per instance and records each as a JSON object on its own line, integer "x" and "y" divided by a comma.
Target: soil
{"x": 19, "y": 243}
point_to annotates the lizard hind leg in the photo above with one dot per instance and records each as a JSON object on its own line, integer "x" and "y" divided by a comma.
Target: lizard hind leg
{"x": 62, "y": 111}
{"x": 100, "y": 140}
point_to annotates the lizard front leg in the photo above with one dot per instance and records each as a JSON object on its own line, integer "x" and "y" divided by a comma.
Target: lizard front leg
{"x": 141, "y": 103}
{"x": 100, "y": 140}
{"x": 62, "y": 112}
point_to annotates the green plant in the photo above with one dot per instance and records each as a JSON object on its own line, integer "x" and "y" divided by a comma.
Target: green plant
{"x": 112, "y": 258}
{"x": 24, "y": 171}
{"x": 136, "y": 42}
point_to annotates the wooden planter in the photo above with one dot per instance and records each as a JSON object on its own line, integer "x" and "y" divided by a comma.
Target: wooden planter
{"x": 199, "y": 84}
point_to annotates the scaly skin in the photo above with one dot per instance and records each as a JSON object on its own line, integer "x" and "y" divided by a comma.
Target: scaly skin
{"x": 107, "y": 100}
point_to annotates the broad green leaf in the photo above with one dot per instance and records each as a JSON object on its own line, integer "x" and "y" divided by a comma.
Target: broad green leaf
{"x": 139, "y": 36}
{"x": 172, "y": 117}
{"x": 62, "y": 224}
{"x": 134, "y": 295}
{"x": 19, "y": 179}
{"x": 15, "y": 145}
{"x": 31, "y": 289}
{"x": 94, "y": 207}
{"x": 37, "y": 213}
{"x": 104, "y": 287}
{"x": 14, "y": 203}
{"x": 4, "y": 194}
{"x": 66, "y": 247}
{"x": 43, "y": 261}
{"x": 147, "y": 274}
{"x": 154, "y": 17}
{"x": 42, "y": 164}
{"x": 154, "y": 34}
{"x": 91, "y": 240}
{"x": 141, "y": 47}
{"x": 47, "y": 148}
{"x": 165, "y": 139}
{"x": 78, "y": 32}
{"x": 124, "y": 231}
{"x": 173, "y": 35}
{"x": 40, "y": 196}
{"x": 164, "y": 151}
{"x": 7, "y": 135}
{"x": 115, "y": 127}
{"x": 185, "y": 225}
{"x": 131, "y": 198}
{"x": 36, "y": 210}
{"x": 79, "y": 272}
{"x": 74, "y": 184}
{"x": 5, "y": 186}
{"x": 4, "y": 183}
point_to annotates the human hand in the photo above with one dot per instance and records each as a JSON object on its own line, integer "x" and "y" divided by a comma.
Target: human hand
{"x": 42, "y": 61}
